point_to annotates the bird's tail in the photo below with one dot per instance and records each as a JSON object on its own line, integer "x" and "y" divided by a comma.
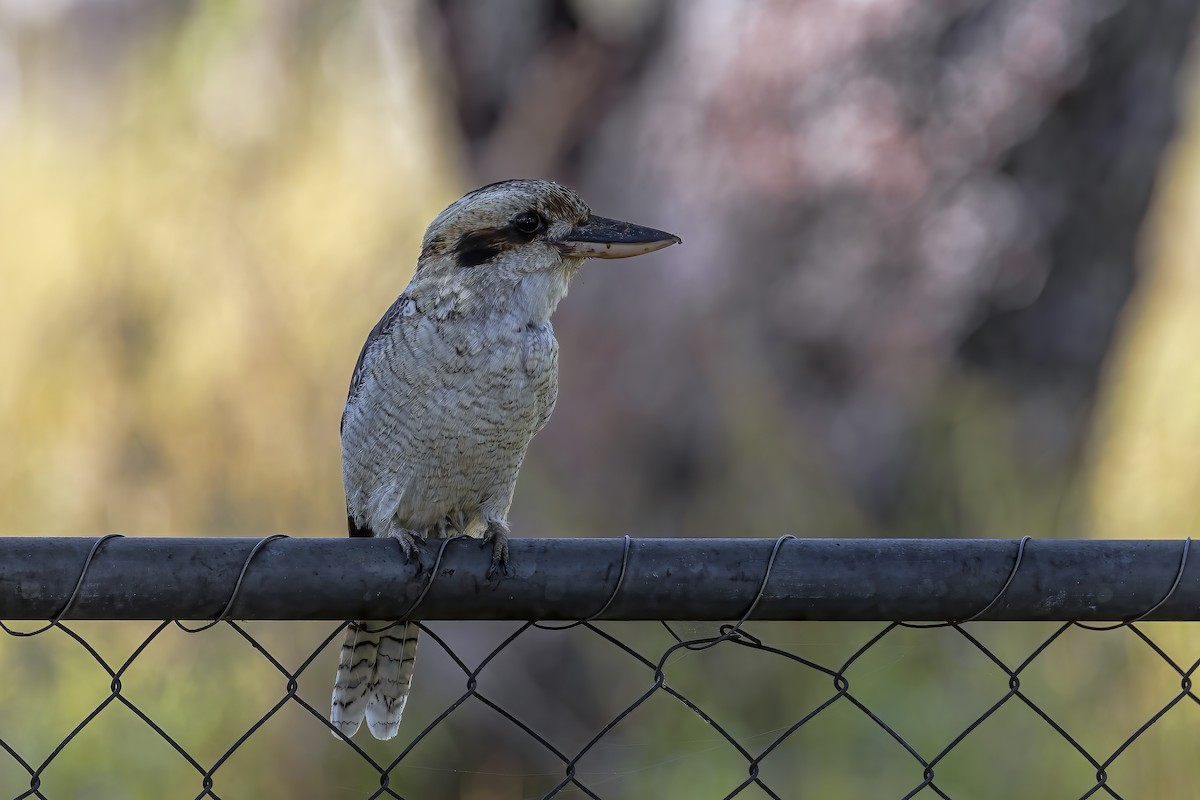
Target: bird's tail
{"x": 374, "y": 674}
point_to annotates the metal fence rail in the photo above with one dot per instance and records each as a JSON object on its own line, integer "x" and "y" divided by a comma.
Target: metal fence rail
{"x": 570, "y": 585}
{"x": 571, "y": 579}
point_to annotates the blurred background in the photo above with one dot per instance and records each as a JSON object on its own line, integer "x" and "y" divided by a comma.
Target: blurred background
{"x": 939, "y": 278}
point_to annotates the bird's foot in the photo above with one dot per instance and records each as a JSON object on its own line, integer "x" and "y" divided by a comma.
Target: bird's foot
{"x": 498, "y": 537}
{"x": 410, "y": 542}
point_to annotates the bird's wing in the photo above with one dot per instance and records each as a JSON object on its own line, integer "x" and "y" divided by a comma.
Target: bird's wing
{"x": 381, "y": 329}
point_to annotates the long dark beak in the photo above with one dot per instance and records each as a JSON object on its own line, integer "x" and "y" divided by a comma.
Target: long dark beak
{"x": 610, "y": 238}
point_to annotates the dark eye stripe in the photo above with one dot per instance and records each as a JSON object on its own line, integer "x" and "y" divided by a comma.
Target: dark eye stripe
{"x": 479, "y": 247}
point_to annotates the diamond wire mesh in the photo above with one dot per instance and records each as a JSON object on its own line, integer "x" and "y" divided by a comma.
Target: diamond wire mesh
{"x": 654, "y": 673}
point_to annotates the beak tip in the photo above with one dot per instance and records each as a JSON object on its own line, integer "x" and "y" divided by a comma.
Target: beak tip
{"x": 601, "y": 237}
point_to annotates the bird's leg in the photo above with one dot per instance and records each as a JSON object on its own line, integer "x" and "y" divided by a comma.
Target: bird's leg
{"x": 497, "y": 534}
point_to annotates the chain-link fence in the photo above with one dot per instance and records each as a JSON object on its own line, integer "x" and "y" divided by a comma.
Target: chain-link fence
{"x": 586, "y": 703}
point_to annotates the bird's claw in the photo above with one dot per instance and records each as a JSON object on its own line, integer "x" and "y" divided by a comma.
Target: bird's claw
{"x": 410, "y": 545}
{"x": 499, "y": 541}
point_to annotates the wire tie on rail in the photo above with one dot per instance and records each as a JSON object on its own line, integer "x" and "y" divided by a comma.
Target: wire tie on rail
{"x": 727, "y": 632}
{"x": 437, "y": 563}
{"x": 1183, "y": 559}
{"x": 237, "y": 586}
{"x": 762, "y": 587}
{"x": 611, "y": 597}
{"x": 1012, "y": 574}
{"x": 58, "y": 618}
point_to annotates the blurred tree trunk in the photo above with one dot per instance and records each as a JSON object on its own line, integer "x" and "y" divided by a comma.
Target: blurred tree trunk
{"x": 870, "y": 196}
{"x": 1090, "y": 170}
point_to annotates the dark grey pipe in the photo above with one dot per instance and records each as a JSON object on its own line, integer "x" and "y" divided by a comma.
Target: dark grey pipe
{"x": 566, "y": 579}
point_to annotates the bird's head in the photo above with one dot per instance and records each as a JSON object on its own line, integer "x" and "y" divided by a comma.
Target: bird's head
{"x": 515, "y": 245}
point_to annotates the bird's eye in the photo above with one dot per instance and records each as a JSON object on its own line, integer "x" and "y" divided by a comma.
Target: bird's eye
{"x": 528, "y": 223}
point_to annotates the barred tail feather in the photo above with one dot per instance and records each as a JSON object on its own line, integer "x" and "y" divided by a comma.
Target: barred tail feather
{"x": 356, "y": 662}
{"x": 374, "y": 673}
{"x": 392, "y": 679}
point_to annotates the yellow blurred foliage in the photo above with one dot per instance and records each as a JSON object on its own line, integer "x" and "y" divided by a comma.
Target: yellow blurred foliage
{"x": 1146, "y": 442}
{"x": 190, "y": 270}
{"x": 1145, "y": 479}
{"x": 192, "y": 253}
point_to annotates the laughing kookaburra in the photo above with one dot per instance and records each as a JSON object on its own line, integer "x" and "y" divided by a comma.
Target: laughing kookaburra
{"x": 451, "y": 385}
